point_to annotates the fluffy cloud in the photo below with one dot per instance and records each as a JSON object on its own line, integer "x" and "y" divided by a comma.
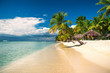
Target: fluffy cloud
{"x": 72, "y": 26}
{"x": 22, "y": 26}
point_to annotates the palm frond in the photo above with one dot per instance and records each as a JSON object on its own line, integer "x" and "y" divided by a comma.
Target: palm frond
{"x": 103, "y": 2}
{"x": 108, "y": 8}
{"x": 104, "y": 14}
{"x": 103, "y": 8}
{"x": 54, "y": 15}
{"x": 52, "y": 22}
{"x": 68, "y": 21}
{"x": 57, "y": 22}
{"x": 53, "y": 29}
{"x": 65, "y": 14}
{"x": 108, "y": 12}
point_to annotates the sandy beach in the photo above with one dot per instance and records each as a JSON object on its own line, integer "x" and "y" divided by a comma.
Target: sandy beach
{"x": 65, "y": 57}
{"x": 54, "y": 36}
{"x": 48, "y": 60}
{"x": 92, "y": 57}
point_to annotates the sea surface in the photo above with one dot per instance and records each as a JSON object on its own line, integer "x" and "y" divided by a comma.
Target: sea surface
{"x": 14, "y": 50}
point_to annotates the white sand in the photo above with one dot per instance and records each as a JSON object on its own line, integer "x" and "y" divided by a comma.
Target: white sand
{"x": 97, "y": 52}
{"x": 48, "y": 60}
{"x": 93, "y": 57}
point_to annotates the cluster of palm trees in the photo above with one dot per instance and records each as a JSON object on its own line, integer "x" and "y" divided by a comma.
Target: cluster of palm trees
{"x": 100, "y": 23}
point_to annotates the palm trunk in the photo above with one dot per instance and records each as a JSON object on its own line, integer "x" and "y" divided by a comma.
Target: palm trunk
{"x": 80, "y": 42}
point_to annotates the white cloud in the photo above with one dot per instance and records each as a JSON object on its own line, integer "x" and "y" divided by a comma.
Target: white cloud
{"x": 45, "y": 15}
{"x": 72, "y": 26}
{"x": 22, "y": 26}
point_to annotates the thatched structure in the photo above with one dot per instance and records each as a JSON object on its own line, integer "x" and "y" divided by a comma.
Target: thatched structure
{"x": 108, "y": 35}
{"x": 92, "y": 31}
{"x": 80, "y": 36}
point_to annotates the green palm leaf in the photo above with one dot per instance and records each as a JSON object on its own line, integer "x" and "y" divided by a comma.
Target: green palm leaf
{"x": 58, "y": 23}
{"x": 68, "y": 21}
{"x": 103, "y": 2}
{"x": 53, "y": 29}
{"x": 106, "y": 7}
{"x": 103, "y": 8}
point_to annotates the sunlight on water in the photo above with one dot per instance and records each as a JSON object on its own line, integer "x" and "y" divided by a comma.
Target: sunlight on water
{"x": 11, "y": 51}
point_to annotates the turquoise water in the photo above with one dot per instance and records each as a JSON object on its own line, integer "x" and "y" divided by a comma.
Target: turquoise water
{"x": 11, "y": 51}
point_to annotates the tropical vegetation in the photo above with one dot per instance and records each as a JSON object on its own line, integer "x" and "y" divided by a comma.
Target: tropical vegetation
{"x": 59, "y": 23}
{"x": 106, "y": 7}
{"x": 100, "y": 24}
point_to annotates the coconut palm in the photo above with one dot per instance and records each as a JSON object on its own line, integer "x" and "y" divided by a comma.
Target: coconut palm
{"x": 80, "y": 23}
{"x": 99, "y": 25}
{"x": 106, "y": 7}
{"x": 104, "y": 26}
{"x": 58, "y": 23}
{"x": 64, "y": 34}
{"x": 80, "y": 20}
{"x": 95, "y": 23}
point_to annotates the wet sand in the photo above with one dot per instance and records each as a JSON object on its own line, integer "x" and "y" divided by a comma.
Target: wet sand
{"x": 62, "y": 59}
{"x": 48, "y": 60}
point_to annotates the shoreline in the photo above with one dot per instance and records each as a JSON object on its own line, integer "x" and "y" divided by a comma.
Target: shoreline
{"x": 23, "y": 58}
{"x": 49, "y": 60}
{"x": 15, "y": 61}
{"x": 63, "y": 57}
{"x": 95, "y": 53}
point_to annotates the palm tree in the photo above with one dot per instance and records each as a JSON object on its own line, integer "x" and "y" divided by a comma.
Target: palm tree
{"x": 101, "y": 25}
{"x": 95, "y": 22}
{"x": 106, "y": 7}
{"x": 80, "y": 20}
{"x": 82, "y": 24}
{"x": 58, "y": 23}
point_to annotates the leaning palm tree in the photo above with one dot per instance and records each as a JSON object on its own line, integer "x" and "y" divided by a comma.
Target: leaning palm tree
{"x": 108, "y": 35}
{"x": 58, "y": 23}
{"x": 80, "y": 36}
{"x": 106, "y": 7}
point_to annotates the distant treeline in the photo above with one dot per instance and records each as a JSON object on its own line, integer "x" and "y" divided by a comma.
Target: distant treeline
{"x": 47, "y": 38}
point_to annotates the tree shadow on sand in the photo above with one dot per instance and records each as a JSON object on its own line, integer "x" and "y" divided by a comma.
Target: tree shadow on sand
{"x": 80, "y": 64}
{"x": 75, "y": 45}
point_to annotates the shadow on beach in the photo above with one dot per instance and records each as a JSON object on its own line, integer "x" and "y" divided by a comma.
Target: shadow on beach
{"x": 79, "y": 63}
{"x": 77, "y": 45}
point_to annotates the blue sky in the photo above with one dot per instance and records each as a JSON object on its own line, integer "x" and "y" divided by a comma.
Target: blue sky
{"x": 10, "y": 9}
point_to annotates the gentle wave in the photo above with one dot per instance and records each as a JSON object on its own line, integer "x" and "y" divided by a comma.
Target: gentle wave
{"x": 11, "y": 51}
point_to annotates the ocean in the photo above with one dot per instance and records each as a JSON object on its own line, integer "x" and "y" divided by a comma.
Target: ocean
{"x": 14, "y": 50}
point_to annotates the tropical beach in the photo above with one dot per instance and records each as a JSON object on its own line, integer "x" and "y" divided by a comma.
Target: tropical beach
{"x": 41, "y": 62}
{"x": 58, "y": 36}
{"x": 65, "y": 57}
{"x": 96, "y": 52}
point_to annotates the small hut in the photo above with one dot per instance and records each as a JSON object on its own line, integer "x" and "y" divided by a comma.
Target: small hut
{"x": 80, "y": 36}
{"x": 77, "y": 36}
{"x": 94, "y": 34}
